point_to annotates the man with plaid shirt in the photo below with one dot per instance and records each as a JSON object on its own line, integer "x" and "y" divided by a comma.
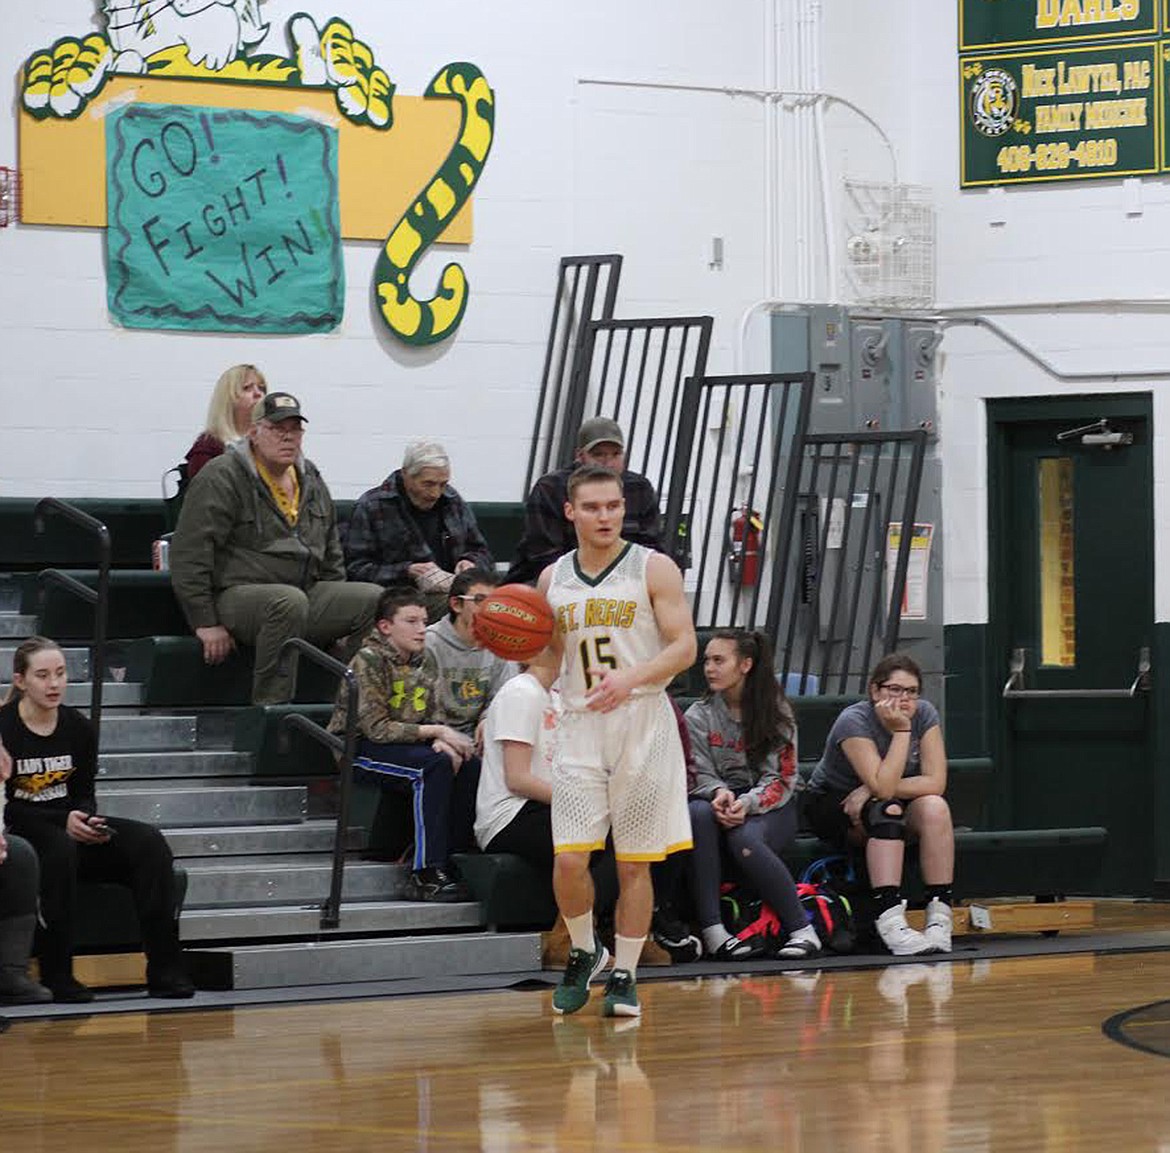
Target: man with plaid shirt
{"x": 415, "y": 529}
{"x": 547, "y": 531}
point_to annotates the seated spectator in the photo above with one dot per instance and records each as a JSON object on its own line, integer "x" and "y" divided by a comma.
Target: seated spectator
{"x": 414, "y": 528}
{"x": 401, "y": 746}
{"x": 256, "y": 557}
{"x": 513, "y": 805}
{"x": 469, "y": 675}
{"x": 229, "y": 415}
{"x": 880, "y": 782}
{"x": 19, "y": 884}
{"x": 51, "y": 803}
{"x": 744, "y": 737}
{"x": 548, "y": 532}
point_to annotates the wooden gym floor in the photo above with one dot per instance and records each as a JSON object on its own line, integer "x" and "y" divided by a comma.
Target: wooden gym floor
{"x": 1007, "y": 1054}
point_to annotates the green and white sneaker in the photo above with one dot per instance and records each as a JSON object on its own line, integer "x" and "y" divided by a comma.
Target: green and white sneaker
{"x": 573, "y": 991}
{"x": 621, "y": 995}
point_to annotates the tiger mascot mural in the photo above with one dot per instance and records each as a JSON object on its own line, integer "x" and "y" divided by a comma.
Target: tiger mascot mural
{"x": 217, "y": 39}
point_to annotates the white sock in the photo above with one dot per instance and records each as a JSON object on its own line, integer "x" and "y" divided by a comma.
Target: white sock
{"x": 627, "y": 952}
{"x": 581, "y": 931}
{"x": 808, "y": 933}
{"x": 713, "y": 937}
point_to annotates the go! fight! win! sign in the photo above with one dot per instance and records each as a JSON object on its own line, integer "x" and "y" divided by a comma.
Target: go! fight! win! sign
{"x": 222, "y": 219}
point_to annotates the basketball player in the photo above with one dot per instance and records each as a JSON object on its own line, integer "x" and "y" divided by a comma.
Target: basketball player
{"x": 623, "y": 630}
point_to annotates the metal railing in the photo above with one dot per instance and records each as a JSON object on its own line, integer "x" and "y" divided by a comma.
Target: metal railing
{"x": 634, "y": 371}
{"x": 841, "y": 604}
{"x": 728, "y": 508}
{"x": 586, "y": 290}
{"x": 343, "y": 748}
{"x": 98, "y": 597}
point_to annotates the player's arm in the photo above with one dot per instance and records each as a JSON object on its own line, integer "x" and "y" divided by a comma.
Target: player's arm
{"x": 546, "y": 665}
{"x": 675, "y": 627}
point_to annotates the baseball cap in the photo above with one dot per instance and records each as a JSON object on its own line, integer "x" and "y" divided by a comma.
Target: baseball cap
{"x": 600, "y": 430}
{"x": 277, "y": 406}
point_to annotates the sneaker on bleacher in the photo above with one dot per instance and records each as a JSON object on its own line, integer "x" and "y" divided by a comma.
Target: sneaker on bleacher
{"x": 675, "y": 937}
{"x": 939, "y": 924}
{"x": 896, "y": 934}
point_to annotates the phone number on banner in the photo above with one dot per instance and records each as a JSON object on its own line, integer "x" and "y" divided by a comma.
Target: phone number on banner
{"x": 1057, "y": 156}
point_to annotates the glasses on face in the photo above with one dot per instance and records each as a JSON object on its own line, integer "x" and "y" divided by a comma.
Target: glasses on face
{"x": 285, "y": 430}
{"x": 898, "y": 691}
{"x": 475, "y": 598}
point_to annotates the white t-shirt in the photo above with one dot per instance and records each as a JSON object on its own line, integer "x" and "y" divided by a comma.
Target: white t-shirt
{"x": 525, "y": 712}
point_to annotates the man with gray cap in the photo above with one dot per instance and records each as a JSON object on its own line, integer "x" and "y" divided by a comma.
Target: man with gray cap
{"x": 256, "y": 557}
{"x": 548, "y": 534}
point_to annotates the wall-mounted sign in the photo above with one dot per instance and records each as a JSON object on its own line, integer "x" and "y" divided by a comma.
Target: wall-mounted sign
{"x": 222, "y": 219}
{"x": 1015, "y": 23}
{"x": 406, "y": 166}
{"x": 1064, "y": 114}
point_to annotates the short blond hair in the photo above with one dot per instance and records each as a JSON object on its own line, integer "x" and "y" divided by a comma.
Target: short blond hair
{"x": 221, "y": 411}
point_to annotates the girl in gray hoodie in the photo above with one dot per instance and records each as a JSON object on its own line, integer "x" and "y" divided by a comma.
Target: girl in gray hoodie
{"x": 744, "y": 737}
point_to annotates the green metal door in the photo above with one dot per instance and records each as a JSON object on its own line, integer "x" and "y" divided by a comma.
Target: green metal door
{"x": 1072, "y": 621}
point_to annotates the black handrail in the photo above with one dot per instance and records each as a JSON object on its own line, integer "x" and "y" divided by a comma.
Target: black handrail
{"x": 343, "y": 748}
{"x": 99, "y": 598}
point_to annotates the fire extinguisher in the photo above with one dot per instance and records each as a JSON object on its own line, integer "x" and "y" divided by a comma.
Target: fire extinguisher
{"x": 743, "y": 551}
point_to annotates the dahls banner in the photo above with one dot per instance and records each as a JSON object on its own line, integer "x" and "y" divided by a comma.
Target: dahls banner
{"x": 222, "y": 219}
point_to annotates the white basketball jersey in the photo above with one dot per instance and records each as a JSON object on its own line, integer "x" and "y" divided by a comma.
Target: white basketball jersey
{"x": 605, "y": 622}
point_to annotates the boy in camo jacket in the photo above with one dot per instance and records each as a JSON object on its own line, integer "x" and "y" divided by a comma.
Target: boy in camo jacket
{"x": 400, "y": 747}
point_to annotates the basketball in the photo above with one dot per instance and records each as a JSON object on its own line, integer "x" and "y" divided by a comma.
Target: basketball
{"x": 515, "y": 623}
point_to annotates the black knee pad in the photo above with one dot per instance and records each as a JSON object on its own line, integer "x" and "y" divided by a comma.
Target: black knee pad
{"x": 883, "y": 824}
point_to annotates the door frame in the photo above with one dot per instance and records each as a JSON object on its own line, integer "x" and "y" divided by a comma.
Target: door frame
{"x": 1002, "y": 414}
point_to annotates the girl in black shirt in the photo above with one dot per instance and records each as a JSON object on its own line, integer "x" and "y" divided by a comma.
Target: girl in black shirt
{"x": 51, "y": 804}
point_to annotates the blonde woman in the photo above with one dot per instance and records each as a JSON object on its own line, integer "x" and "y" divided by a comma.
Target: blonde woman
{"x": 229, "y": 415}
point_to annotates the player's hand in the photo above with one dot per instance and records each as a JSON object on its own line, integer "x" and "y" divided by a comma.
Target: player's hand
{"x": 612, "y": 688}
{"x": 441, "y": 746}
{"x": 217, "y": 643}
{"x": 855, "y": 802}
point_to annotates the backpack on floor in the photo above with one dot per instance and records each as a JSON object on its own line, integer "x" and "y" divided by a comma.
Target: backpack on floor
{"x": 831, "y": 914}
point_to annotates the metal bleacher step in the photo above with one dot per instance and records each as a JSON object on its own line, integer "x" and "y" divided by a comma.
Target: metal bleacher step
{"x": 249, "y": 922}
{"x": 257, "y": 840}
{"x": 339, "y": 962}
{"x": 145, "y": 733}
{"x": 290, "y": 879}
{"x": 173, "y": 764}
{"x": 76, "y": 660}
{"x": 192, "y": 804}
{"x": 114, "y": 694}
{"x": 19, "y": 625}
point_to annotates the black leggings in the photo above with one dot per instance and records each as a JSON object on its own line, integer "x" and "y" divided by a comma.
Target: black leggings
{"x": 137, "y": 856}
{"x": 19, "y": 879}
{"x": 755, "y": 847}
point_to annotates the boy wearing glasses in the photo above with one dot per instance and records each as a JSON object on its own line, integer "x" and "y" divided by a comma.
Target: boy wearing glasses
{"x": 469, "y": 678}
{"x": 880, "y": 782}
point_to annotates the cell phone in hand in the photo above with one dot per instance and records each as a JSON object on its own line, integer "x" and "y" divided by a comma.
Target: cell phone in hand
{"x": 98, "y": 824}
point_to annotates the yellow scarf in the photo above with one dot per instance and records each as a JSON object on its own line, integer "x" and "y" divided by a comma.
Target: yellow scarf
{"x": 290, "y": 506}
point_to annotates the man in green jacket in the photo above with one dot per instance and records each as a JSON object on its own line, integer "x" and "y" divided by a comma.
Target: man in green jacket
{"x": 256, "y": 557}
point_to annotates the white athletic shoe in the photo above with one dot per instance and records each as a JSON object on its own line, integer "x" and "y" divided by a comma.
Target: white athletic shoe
{"x": 896, "y": 934}
{"x": 939, "y": 923}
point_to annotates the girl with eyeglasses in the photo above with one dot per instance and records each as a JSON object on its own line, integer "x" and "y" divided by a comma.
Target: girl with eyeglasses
{"x": 879, "y": 783}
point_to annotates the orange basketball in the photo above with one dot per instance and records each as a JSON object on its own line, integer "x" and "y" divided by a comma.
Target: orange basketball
{"x": 515, "y": 622}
